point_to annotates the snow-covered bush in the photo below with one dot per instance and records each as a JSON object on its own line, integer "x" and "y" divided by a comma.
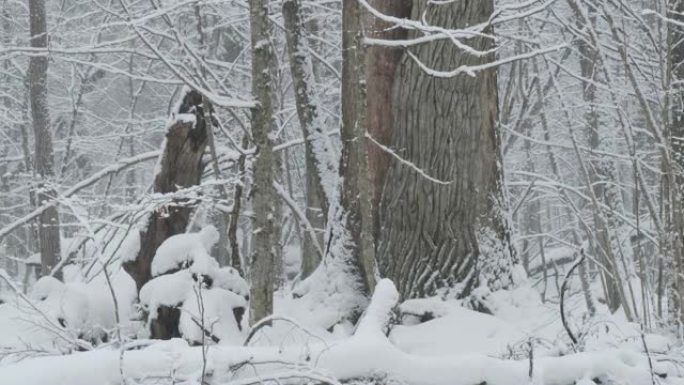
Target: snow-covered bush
{"x": 183, "y": 250}
{"x": 87, "y": 309}
{"x": 191, "y": 295}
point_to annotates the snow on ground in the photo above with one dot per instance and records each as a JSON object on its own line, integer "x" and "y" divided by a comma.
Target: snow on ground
{"x": 456, "y": 346}
{"x": 461, "y": 331}
{"x": 367, "y": 353}
{"x": 354, "y": 358}
{"x": 54, "y": 315}
{"x": 24, "y": 331}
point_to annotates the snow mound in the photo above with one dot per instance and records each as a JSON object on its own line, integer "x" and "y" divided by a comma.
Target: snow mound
{"x": 166, "y": 290}
{"x": 66, "y": 303}
{"x": 332, "y": 292}
{"x": 183, "y": 250}
{"x": 101, "y": 303}
{"x": 366, "y": 356}
{"x": 46, "y": 287}
{"x": 211, "y": 299}
{"x": 459, "y": 331}
{"x": 24, "y": 330}
{"x": 217, "y": 306}
{"x": 415, "y": 311}
{"x": 377, "y": 316}
{"x": 228, "y": 278}
{"x": 87, "y": 309}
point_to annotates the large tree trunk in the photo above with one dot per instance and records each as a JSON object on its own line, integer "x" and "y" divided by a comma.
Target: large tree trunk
{"x": 263, "y": 258}
{"x": 382, "y": 66}
{"x": 48, "y": 222}
{"x": 452, "y": 235}
{"x": 180, "y": 166}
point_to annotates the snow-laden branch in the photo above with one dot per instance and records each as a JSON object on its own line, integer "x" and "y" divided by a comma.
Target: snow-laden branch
{"x": 301, "y": 217}
{"x": 432, "y": 32}
{"x": 472, "y": 70}
{"x": 377, "y": 316}
{"x": 405, "y": 162}
{"x": 216, "y": 100}
{"x": 113, "y": 169}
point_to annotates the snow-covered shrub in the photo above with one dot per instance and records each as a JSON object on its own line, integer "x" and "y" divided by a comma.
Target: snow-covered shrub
{"x": 191, "y": 292}
{"x": 183, "y": 250}
{"x": 87, "y": 309}
{"x": 219, "y": 307}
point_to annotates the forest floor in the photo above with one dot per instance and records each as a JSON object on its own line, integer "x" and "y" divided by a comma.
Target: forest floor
{"x": 524, "y": 341}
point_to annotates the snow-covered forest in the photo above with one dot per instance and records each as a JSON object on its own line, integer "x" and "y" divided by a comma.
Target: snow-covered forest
{"x": 386, "y": 192}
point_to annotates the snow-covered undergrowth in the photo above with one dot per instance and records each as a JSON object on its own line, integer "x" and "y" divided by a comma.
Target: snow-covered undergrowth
{"x": 458, "y": 347}
{"x": 429, "y": 341}
{"x": 188, "y": 278}
{"x": 58, "y": 317}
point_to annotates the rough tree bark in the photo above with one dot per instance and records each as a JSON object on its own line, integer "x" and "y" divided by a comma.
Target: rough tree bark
{"x": 180, "y": 166}
{"x": 316, "y": 213}
{"x": 261, "y": 269}
{"x": 356, "y": 188}
{"x": 452, "y": 235}
{"x": 48, "y": 222}
{"x": 382, "y": 63}
{"x": 318, "y": 151}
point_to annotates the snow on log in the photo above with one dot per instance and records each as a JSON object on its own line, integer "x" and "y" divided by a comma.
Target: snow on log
{"x": 376, "y": 318}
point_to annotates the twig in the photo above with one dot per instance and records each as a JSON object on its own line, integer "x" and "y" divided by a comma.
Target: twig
{"x": 118, "y": 324}
{"x": 200, "y": 303}
{"x": 268, "y": 320}
{"x": 531, "y": 357}
{"x": 122, "y": 164}
{"x": 562, "y": 297}
{"x": 648, "y": 355}
{"x": 205, "y": 331}
{"x": 287, "y": 375}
